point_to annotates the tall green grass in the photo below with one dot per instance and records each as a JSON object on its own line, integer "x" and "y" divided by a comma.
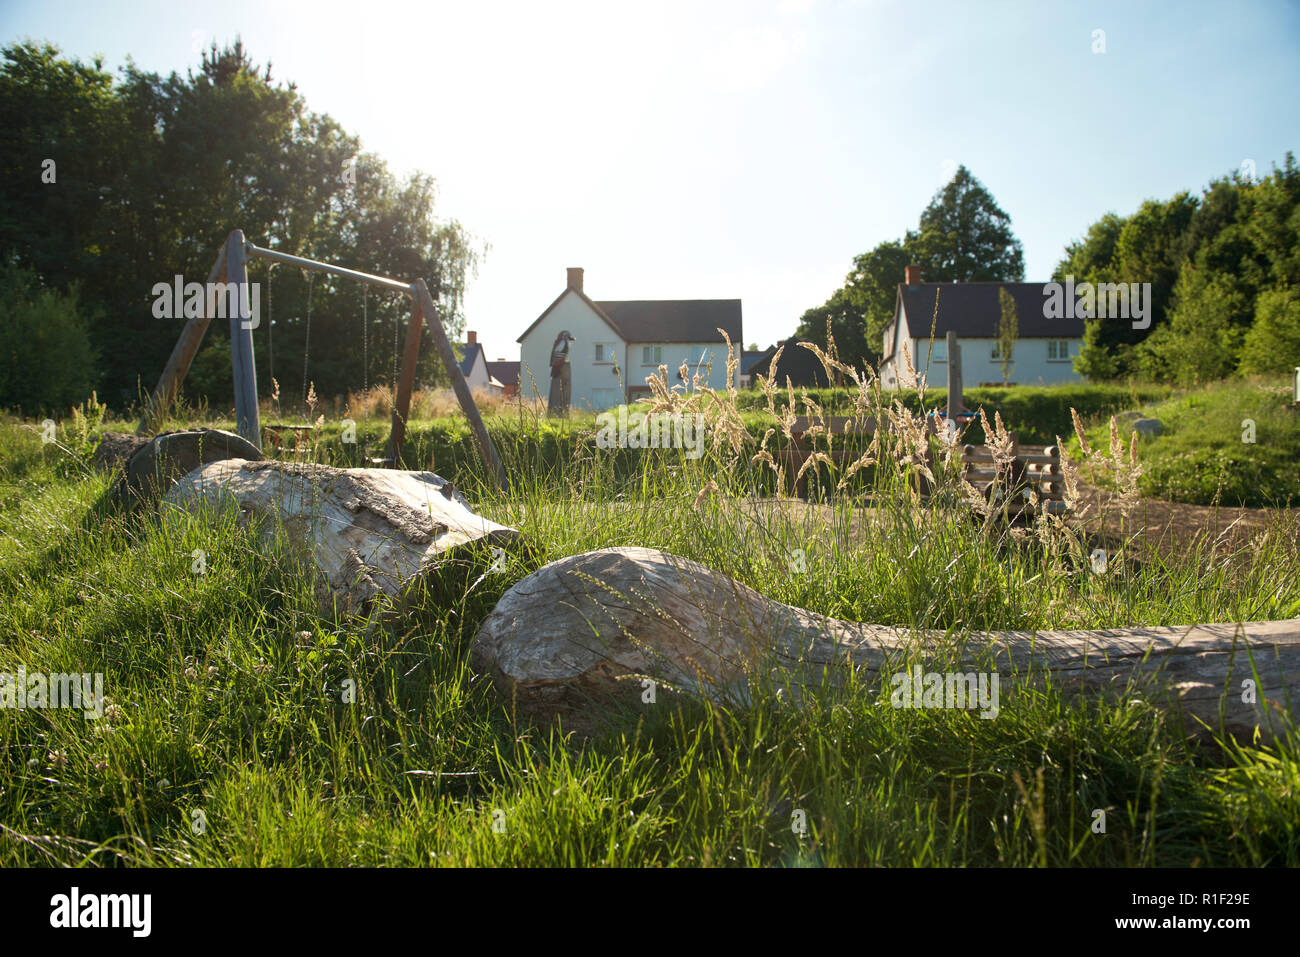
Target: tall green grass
{"x": 232, "y": 737}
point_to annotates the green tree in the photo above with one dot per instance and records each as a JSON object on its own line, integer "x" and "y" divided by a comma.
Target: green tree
{"x": 1273, "y": 342}
{"x": 1201, "y": 341}
{"x": 153, "y": 173}
{"x": 1236, "y": 241}
{"x": 47, "y": 364}
{"x": 1008, "y": 332}
{"x": 964, "y": 236}
{"x": 860, "y": 310}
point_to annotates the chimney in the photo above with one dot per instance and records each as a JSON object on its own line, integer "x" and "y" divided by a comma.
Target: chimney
{"x": 471, "y": 338}
{"x": 575, "y": 278}
{"x": 913, "y": 275}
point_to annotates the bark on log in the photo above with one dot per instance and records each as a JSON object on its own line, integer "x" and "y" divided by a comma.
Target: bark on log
{"x": 568, "y": 637}
{"x": 370, "y": 532}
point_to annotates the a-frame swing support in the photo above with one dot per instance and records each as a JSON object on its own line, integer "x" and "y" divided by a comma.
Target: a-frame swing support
{"x": 231, "y": 268}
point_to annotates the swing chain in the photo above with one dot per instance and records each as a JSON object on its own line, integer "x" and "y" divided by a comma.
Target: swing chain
{"x": 306, "y": 349}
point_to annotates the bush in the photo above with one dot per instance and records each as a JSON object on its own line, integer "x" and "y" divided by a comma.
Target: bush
{"x": 1273, "y": 342}
{"x": 47, "y": 364}
{"x": 1218, "y": 476}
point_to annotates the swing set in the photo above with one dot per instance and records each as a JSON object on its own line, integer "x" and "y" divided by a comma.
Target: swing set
{"x": 231, "y": 269}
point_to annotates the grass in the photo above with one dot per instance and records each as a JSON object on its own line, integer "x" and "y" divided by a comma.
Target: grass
{"x": 1232, "y": 443}
{"x": 248, "y": 728}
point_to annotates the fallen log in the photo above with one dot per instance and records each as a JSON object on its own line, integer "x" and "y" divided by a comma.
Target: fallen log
{"x": 371, "y": 533}
{"x": 569, "y": 637}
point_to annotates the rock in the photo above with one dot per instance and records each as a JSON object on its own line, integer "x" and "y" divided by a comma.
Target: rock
{"x": 1148, "y": 428}
{"x": 1127, "y": 418}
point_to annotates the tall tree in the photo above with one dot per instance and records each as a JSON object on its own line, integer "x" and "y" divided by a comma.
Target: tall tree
{"x": 964, "y": 236}
{"x": 153, "y": 172}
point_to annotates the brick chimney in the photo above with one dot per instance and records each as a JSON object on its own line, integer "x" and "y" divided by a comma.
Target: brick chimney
{"x": 471, "y": 338}
{"x": 575, "y": 278}
{"x": 913, "y": 276}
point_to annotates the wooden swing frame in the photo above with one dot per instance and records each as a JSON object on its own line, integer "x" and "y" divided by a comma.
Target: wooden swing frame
{"x": 232, "y": 267}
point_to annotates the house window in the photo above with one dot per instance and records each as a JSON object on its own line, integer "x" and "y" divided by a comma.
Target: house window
{"x": 605, "y": 352}
{"x": 997, "y": 351}
{"x": 652, "y": 355}
{"x": 1058, "y": 350}
{"x": 939, "y": 351}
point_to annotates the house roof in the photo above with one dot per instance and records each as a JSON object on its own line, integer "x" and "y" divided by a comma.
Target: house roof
{"x": 506, "y": 373}
{"x": 471, "y": 351}
{"x": 750, "y": 356}
{"x": 972, "y": 310}
{"x": 581, "y": 295}
{"x": 661, "y": 320}
{"x": 801, "y": 366}
{"x": 674, "y": 320}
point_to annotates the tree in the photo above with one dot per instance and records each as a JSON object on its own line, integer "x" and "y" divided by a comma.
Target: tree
{"x": 1201, "y": 341}
{"x": 1209, "y": 260}
{"x": 964, "y": 236}
{"x": 153, "y": 172}
{"x": 860, "y": 310}
{"x": 1273, "y": 343}
{"x": 47, "y": 364}
{"x": 1008, "y": 332}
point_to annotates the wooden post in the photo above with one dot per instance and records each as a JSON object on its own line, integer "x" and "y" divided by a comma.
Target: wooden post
{"x": 182, "y": 355}
{"x": 405, "y": 385}
{"x": 954, "y": 377}
{"x": 247, "y": 416}
{"x": 424, "y": 304}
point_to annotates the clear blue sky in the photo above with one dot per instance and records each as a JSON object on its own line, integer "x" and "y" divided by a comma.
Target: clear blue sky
{"x": 746, "y": 149}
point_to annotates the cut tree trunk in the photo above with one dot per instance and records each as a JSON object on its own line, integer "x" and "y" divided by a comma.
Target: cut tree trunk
{"x": 371, "y": 533}
{"x": 569, "y": 637}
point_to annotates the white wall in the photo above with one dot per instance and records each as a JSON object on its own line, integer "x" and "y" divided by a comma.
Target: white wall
{"x": 591, "y": 383}
{"x": 696, "y": 355}
{"x": 890, "y": 372}
{"x": 1030, "y": 367}
{"x": 478, "y": 375}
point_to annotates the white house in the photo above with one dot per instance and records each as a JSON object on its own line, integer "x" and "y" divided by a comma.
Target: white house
{"x": 618, "y": 343}
{"x": 1043, "y": 353}
{"x": 474, "y": 367}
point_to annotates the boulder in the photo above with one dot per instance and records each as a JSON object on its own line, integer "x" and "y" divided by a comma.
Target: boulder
{"x": 1148, "y": 428}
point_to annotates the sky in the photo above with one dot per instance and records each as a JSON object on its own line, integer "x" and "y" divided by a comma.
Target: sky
{"x": 725, "y": 149}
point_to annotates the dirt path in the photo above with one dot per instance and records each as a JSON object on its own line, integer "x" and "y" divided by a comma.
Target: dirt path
{"x": 1173, "y": 525}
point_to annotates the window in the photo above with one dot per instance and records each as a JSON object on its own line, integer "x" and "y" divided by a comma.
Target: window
{"x": 997, "y": 351}
{"x": 606, "y": 352}
{"x": 939, "y": 351}
{"x": 652, "y": 355}
{"x": 1058, "y": 350}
